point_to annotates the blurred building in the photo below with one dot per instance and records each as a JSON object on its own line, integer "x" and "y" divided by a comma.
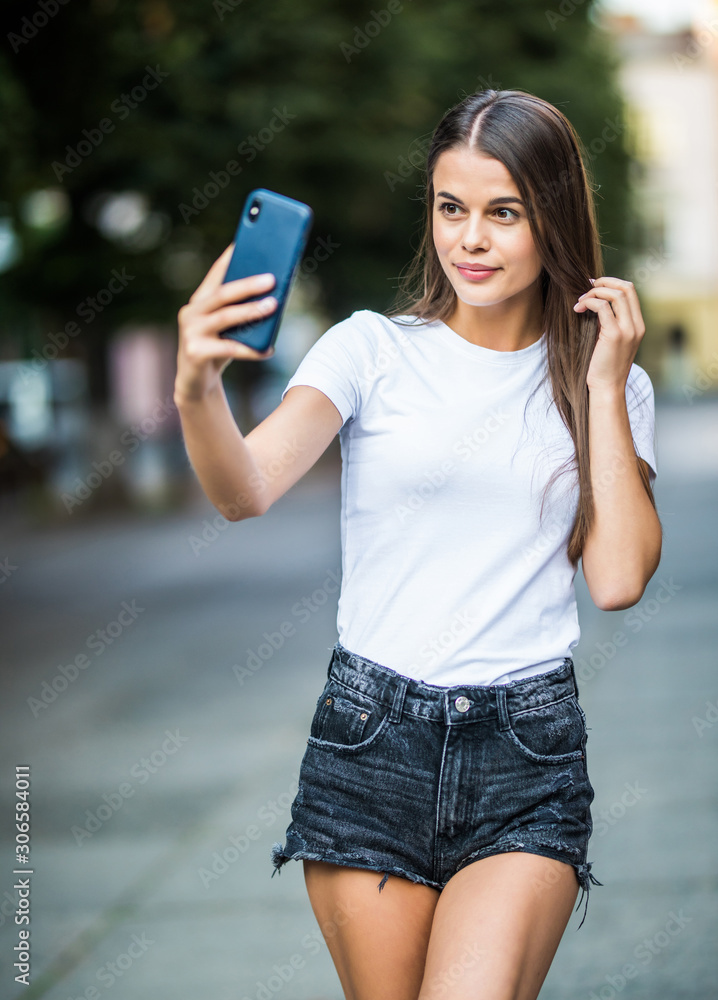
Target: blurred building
{"x": 670, "y": 84}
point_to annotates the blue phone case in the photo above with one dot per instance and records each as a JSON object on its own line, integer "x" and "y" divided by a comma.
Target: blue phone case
{"x": 273, "y": 242}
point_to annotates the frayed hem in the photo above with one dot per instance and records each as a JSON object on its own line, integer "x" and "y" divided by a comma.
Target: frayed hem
{"x": 585, "y": 879}
{"x": 280, "y": 858}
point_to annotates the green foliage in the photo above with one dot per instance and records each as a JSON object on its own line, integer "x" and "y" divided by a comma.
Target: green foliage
{"x": 350, "y": 90}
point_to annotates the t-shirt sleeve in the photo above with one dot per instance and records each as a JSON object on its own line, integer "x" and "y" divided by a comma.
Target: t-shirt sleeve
{"x": 640, "y": 402}
{"x": 331, "y": 365}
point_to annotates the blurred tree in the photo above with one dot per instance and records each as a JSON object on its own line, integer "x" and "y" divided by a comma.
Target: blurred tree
{"x": 146, "y": 124}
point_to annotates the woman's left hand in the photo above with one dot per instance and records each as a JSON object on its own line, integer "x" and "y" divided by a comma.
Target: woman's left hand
{"x": 621, "y": 329}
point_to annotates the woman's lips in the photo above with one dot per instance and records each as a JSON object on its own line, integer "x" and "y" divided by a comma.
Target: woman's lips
{"x": 480, "y": 274}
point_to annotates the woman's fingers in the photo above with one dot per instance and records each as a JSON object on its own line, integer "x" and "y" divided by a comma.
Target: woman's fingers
{"x": 214, "y": 276}
{"x": 631, "y": 297}
{"x": 621, "y": 328}
{"x": 215, "y": 322}
{"x": 236, "y": 291}
{"x": 214, "y": 307}
{"x": 221, "y": 307}
{"x": 211, "y": 349}
{"x": 623, "y": 298}
{"x": 612, "y": 309}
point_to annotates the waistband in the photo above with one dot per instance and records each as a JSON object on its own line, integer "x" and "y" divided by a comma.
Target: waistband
{"x": 462, "y": 703}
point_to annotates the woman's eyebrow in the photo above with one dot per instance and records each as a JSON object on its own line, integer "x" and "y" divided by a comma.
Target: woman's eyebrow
{"x": 503, "y": 200}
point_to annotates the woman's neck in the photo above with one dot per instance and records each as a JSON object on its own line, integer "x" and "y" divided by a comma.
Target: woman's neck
{"x": 507, "y": 326}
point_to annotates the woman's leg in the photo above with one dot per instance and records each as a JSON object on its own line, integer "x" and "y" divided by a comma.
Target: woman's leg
{"x": 496, "y": 928}
{"x": 377, "y": 940}
{"x": 490, "y": 935}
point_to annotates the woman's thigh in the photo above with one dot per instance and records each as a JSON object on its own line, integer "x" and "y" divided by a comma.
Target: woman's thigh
{"x": 496, "y": 928}
{"x": 491, "y": 934}
{"x": 377, "y": 940}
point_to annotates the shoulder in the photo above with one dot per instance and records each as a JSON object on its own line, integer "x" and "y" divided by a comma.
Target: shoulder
{"x": 367, "y": 329}
{"x": 379, "y": 323}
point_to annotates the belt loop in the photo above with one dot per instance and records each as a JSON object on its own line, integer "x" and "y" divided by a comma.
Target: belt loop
{"x": 331, "y": 661}
{"x": 398, "y": 704}
{"x": 504, "y": 723}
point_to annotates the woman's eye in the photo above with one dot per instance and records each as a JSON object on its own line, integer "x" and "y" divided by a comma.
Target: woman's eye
{"x": 445, "y": 205}
{"x": 508, "y": 216}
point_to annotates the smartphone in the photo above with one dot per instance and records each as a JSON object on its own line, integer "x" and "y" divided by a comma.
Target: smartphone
{"x": 271, "y": 237}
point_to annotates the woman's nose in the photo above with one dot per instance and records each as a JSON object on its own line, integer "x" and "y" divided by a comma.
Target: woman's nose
{"x": 475, "y": 235}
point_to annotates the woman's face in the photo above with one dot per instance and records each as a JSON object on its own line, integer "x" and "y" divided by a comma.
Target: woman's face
{"x": 480, "y": 221}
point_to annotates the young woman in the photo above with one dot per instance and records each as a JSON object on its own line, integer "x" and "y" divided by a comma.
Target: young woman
{"x": 494, "y": 430}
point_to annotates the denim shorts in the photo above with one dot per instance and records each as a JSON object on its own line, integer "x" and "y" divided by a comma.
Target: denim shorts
{"x": 419, "y": 780}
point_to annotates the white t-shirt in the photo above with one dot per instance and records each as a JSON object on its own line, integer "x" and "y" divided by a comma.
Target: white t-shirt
{"x": 447, "y": 574}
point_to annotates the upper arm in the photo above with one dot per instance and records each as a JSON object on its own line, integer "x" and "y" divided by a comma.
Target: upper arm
{"x": 288, "y": 442}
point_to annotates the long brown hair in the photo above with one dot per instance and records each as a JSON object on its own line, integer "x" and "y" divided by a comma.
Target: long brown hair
{"x": 542, "y": 152}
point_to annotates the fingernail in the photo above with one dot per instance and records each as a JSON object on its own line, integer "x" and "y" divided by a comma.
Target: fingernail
{"x": 268, "y": 303}
{"x": 592, "y": 280}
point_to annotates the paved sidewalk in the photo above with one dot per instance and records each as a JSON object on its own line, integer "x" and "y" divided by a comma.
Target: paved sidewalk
{"x": 161, "y": 775}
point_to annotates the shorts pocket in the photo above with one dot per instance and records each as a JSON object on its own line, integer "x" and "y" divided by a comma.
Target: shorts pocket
{"x": 552, "y": 733}
{"x": 345, "y": 719}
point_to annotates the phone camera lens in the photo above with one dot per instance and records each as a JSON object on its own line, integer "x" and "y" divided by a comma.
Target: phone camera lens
{"x": 253, "y": 211}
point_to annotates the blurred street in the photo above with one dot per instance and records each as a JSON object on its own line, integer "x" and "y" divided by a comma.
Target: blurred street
{"x": 159, "y": 677}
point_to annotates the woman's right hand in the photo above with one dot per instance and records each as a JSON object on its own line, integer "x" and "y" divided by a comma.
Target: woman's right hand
{"x": 202, "y": 354}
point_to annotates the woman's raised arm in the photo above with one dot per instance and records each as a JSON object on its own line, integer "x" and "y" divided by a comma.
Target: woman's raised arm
{"x": 242, "y": 476}
{"x": 623, "y": 547}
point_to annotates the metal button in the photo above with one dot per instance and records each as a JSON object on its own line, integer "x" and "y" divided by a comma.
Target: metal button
{"x": 328, "y": 701}
{"x": 363, "y": 716}
{"x": 463, "y": 704}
